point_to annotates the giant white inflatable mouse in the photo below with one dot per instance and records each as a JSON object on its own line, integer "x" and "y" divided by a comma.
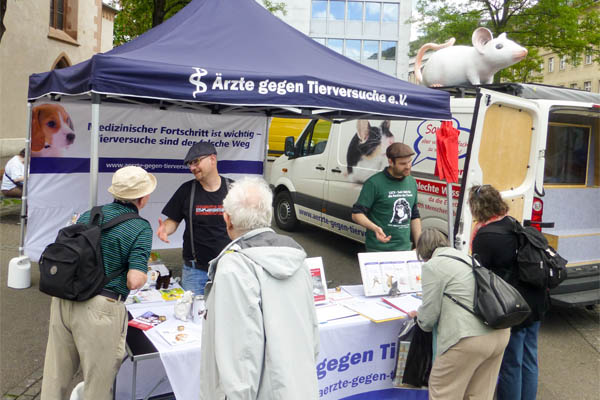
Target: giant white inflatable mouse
{"x": 461, "y": 65}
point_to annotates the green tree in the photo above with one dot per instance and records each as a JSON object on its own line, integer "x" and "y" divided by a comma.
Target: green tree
{"x": 2, "y": 13}
{"x": 138, "y": 16}
{"x": 566, "y": 27}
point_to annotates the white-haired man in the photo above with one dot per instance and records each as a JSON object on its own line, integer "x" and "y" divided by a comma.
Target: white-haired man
{"x": 260, "y": 337}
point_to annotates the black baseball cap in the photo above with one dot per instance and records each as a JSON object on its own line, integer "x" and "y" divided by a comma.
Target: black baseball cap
{"x": 198, "y": 150}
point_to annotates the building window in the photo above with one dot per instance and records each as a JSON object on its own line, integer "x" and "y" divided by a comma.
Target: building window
{"x": 370, "y": 50}
{"x": 563, "y": 62}
{"x": 337, "y": 10}
{"x": 390, "y": 12}
{"x": 319, "y": 9}
{"x": 320, "y": 40}
{"x": 587, "y": 86}
{"x": 373, "y": 11}
{"x": 62, "y": 63}
{"x": 353, "y": 49}
{"x": 551, "y": 64}
{"x": 355, "y": 10}
{"x": 57, "y": 14}
{"x": 388, "y": 50}
{"x": 336, "y": 45}
{"x": 588, "y": 58}
{"x": 63, "y": 20}
{"x": 573, "y": 86}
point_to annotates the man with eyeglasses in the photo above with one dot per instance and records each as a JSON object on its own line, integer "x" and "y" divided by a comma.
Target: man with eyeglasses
{"x": 200, "y": 203}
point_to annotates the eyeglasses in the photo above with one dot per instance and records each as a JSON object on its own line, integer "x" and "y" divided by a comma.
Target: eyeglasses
{"x": 197, "y": 160}
{"x": 479, "y": 189}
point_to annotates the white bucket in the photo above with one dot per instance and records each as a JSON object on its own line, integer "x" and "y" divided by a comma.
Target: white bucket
{"x": 19, "y": 273}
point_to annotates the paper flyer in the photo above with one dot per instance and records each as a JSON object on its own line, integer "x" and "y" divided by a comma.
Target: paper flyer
{"x": 330, "y": 312}
{"x": 146, "y": 321}
{"x": 171, "y": 294}
{"x": 315, "y": 265}
{"x": 376, "y": 311}
{"x": 405, "y": 303}
{"x": 181, "y": 334}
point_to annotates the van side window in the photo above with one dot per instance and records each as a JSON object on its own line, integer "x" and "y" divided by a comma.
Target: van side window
{"x": 567, "y": 150}
{"x": 314, "y": 139}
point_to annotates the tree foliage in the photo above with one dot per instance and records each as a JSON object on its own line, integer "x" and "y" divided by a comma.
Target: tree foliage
{"x": 566, "y": 27}
{"x": 138, "y": 16}
{"x": 2, "y": 13}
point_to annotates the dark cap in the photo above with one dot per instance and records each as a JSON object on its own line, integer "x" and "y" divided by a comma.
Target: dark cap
{"x": 398, "y": 150}
{"x": 198, "y": 150}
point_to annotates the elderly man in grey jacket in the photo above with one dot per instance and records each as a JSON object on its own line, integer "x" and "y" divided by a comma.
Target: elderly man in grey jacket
{"x": 260, "y": 336}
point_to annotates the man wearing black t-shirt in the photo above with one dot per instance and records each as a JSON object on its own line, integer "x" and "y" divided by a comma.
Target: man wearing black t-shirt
{"x": 208, "y": 226}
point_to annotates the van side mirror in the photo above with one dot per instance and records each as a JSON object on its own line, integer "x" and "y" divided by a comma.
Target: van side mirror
{"x": 289, "y": 149}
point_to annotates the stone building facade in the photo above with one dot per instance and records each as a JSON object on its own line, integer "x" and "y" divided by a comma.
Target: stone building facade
{"x": 42, "y": 35}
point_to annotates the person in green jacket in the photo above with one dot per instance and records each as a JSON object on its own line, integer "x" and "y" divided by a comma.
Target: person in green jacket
{"x": 387, "y": 204}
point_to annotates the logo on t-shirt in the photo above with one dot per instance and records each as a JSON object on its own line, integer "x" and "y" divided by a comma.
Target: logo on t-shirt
{"x": 209, "y": 209}
{"x": 401, "y": 212}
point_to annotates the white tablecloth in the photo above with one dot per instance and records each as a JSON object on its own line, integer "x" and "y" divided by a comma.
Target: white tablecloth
{"x": 356, "y": 359}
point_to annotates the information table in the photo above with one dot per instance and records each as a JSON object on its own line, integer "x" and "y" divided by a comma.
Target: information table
{"x": 356, "y": 361}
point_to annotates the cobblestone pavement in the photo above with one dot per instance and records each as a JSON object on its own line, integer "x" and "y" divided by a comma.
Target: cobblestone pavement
{"x": 29, "y": 389}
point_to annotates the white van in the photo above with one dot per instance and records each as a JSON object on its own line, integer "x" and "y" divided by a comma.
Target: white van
{"x": 538, "y": 145}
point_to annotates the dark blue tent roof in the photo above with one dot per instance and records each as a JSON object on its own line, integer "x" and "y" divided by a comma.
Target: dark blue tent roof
{"x": 235, "y": 53}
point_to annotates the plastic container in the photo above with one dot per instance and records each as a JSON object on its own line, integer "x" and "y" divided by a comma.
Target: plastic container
{"x": 19, "y": 273}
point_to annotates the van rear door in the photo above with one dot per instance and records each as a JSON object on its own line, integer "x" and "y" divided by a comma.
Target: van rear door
{"x": 502, "y": 152}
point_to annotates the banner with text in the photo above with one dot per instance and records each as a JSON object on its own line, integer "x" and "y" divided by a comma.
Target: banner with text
{"x": 359, "y": 362}
{"x": 154, "y": 139}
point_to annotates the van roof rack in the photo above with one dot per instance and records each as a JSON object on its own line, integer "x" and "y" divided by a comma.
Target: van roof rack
{"x": 527, "y": 91}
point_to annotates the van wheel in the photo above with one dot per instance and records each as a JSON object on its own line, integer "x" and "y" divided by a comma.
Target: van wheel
{"x": 285, "y": 216}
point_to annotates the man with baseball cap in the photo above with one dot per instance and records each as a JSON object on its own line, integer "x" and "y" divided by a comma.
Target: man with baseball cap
{"x": 387, "y": 204}
{"x": 200, "y": 203}
{"x": 91, "y": 333}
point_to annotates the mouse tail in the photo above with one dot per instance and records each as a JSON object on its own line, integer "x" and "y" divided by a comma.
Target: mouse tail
{"x": 424, "y": 49}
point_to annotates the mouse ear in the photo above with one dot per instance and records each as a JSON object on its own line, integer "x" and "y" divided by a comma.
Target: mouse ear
{"x": 37, "y": 136}
{"x": 480, "y": 37}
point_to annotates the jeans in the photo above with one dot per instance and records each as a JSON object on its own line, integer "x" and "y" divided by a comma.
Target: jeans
{"x": 518, "y": 377}
{"x": 193, "y": 279}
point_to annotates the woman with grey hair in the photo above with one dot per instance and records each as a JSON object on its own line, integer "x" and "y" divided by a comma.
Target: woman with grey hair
{"x": 467, "y": 353}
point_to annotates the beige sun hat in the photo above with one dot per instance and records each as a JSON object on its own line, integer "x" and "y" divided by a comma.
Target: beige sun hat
{"x": 131, "y": 182}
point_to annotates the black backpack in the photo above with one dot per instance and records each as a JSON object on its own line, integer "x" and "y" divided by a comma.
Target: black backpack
{"x": 72, "y": 267}
{"x": 540, "y": 266}
{"x": 497, "y": 303}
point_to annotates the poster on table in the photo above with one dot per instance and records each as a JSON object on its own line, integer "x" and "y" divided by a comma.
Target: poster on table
{"x": 154, "y": 139}
{"x": 390, "y": 273}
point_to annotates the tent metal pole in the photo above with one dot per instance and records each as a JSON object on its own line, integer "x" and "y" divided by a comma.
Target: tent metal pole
{"x": 450, "y": 214}
{"x": 265, "y": 157}
{"x": 94, "y": 145}
{"x": 25, "y": 181}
